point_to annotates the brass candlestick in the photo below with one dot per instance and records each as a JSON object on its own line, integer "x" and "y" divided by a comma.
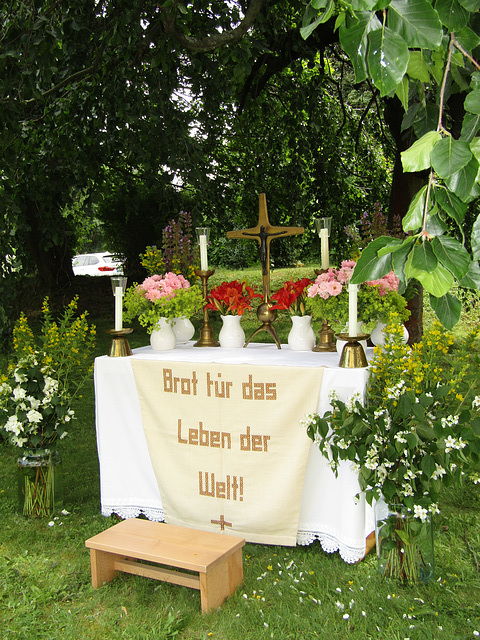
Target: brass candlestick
{"x": 325, "y": 338}
{"x": 206, "y": 332}
{"x": 119, "y": 347}
{"x": 353, "y": 356}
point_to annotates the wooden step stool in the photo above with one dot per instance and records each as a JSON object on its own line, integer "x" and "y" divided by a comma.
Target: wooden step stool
{"x": 216, "y": 557}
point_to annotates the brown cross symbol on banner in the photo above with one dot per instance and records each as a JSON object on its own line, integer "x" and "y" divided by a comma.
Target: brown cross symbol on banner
{"x": 222, "y": 522}
{"x": 264, "y": 233}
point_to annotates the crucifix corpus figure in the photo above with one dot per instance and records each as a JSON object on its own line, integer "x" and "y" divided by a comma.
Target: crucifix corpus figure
{"x": 264, "y": 233}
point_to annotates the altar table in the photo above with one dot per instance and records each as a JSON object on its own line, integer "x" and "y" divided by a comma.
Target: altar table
{"x": 329, "y": 510}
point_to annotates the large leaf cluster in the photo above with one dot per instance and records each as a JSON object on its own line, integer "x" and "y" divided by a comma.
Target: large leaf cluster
{"x": 423, "y": 53}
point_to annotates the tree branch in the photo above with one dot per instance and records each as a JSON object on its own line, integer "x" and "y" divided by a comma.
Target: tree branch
{"x": 220, "y": 39}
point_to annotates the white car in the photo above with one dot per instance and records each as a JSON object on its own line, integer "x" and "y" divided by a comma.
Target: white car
{"x": 96, "y": 264}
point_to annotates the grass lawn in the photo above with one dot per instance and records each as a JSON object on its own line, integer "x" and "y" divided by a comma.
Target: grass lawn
{"x": 288, "y": 593}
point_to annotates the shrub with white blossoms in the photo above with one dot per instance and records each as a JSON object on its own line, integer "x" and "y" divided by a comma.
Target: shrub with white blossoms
{"x": 45, "y": 375}
{"x": 415, "y": 432}
{"x": 34, "y": 408}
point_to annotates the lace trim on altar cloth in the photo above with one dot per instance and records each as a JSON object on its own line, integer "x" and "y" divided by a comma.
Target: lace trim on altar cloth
{"x": 125, "y": 512}
{"x": 331, "y": 544}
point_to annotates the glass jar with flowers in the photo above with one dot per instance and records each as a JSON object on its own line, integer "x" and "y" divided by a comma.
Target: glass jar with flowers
{"x": 417, "y": 430}
{"x": 36, "y": 396}
{"x": 291, "y": 297}
{"x": 231, "y": 300}
{"x": 157, "y": 301}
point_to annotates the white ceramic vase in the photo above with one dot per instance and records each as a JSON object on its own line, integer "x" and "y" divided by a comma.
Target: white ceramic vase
{"x": 231, "y": 334}
{"x": 378, "y": 337}
{"x": 162, "y": 337}
{"x": 183, "y": 329}
{"x": 302, "y": 335}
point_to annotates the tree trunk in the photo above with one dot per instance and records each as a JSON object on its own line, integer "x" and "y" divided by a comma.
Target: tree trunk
{"x": 404, "y": 187}
{"x": 53, "y": 261}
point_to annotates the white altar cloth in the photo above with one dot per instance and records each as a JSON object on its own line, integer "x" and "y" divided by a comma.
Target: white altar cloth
{"x": 329, "y": 510}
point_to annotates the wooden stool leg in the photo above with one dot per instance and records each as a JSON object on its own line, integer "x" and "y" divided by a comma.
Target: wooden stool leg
{"x": 102, "y": 567}
{"x": 221, "y": 581}
{"x": 235, "y": 570}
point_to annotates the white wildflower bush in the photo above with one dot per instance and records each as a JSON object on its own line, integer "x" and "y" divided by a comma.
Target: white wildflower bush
{"x": 34, "y": 409}
{"x": 44, "y": 376}
{"x": 416, "y": 431}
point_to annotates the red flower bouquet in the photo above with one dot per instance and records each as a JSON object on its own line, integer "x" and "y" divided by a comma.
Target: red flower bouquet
{"x": 231, "y": 298}
{"x": 291, "y": 297}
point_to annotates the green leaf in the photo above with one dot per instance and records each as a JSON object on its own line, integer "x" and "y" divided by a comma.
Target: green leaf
{"x": 450, "y": 156}
{"x": 402, "y": 93}
{"x": 353, "y": 38}
{"x": 470, "y": 5}
{"x": 427, "y": 465}
{"x": 364, "y": 5}
{"x": 425, "y": 432}
{"x": 475, "y": 148}
{"x": 426, "y": 119}
{"x": 423, "y": 257}
{"x": 452, "y": 254}
{"x": 435, "y": 226}
{"x": 463, "y": 182}
{"x": 475, "y": 239}
{"x": 468, "y": 39}
{"x": 307, "y": 29}
{"x": 452, "y": 205}
{"x": 472, "y": 279}
{"x": 418, "y": 156}
{"x": 369, "y": 266}
{"x": 437, "y": 282}
{"x": 387, "y": 59}
{"x": 418, "y": 67}
{"x": 452, "y": 14}
{"x": 447, "y": 309}
{"x": 472, "y": 102}
{"x": 413, "y": 219}
{"x": 400, "y": 256}
{"x": 394, "y": 245}
{"x": 416, "y": 22}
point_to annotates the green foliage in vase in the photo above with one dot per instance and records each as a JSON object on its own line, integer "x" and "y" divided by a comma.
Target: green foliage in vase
{"x": 373, "y": 306}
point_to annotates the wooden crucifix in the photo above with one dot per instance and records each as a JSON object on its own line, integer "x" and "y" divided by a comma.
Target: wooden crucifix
{"x": 264, "y": 233}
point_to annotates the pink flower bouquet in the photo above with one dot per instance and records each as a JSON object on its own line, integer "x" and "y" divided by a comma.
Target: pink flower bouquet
{"x": 377, "y": 299}
{"x": 162, "y": 296}
{"x": 327, "y": 297}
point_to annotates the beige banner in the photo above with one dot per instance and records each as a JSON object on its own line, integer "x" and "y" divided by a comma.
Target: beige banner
{"x": 226, "y": 445}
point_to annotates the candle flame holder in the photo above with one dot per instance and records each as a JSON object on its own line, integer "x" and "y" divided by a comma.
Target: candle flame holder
{"x": 119, "y": 347}
{"x": 206, "y": 332}
{"x": 353, "y": 356}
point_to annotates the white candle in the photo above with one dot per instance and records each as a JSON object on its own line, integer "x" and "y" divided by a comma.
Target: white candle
{"x": 352, "y": 310}
{"x": 325, "y": 258}
{"x": 203, "y": 253}
{"x": 118, "y": 308}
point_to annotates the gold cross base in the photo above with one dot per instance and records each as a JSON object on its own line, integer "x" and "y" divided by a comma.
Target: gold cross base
{"x": 266, "y": 317}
